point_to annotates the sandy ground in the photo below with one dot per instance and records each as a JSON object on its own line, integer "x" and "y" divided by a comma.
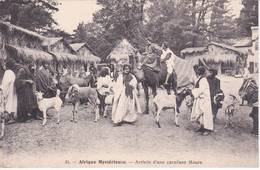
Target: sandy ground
{"x": 87, "y": 144}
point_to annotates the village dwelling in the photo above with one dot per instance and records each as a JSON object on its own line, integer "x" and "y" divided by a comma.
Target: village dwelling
{"x": 250, "y": 45}
{"x": 123, "y": 52}
{"x": 83, "y": 50}
{"x": 63, "y": 54}
{"x": 20, "y": 43}
{"x": 226, "y": 59}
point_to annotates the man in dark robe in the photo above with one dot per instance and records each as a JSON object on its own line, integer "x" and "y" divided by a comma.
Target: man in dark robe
{"x": 214, "y": 87}
{"x": 254, "y": 115}
{"x": 26, "y": 100}
{"x": 44, "y": 81}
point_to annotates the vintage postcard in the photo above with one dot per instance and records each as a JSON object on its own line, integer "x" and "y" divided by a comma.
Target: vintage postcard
{"x": 129, "y": 84}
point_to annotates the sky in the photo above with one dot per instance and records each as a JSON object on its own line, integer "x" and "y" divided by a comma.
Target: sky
{"x": 72, "y": 12}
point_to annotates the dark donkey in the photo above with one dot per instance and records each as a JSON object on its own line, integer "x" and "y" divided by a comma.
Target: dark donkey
{"x": 150, "y": 78}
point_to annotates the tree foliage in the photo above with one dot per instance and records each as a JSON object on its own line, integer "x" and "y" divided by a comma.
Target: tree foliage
{"x": 248, "y": 17}
{"x": 178, "y": 24}
{"x": 35, "y": 15}
{"x": 222, "y": 25}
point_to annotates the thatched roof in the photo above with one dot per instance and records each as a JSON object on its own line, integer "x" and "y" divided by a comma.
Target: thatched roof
{"x": 66, "y": 57}
{"x": 224, "y": 46}
{"x": 227, "y": 57}
{"x": 208, "y": 56}
{"x": 219, "y": 58}
{"x": 193, "y": 50}
{"x": 77, "y": 46}
{"x": 122, "y": 50}
{"x": 92, "y": 58}
{"x": 247, "y": 42}
{"x": 7, "y": 27}
{"x": 23, "y": 53}
{"x": 85, "y": 53}
{"x": 51, "y": 41}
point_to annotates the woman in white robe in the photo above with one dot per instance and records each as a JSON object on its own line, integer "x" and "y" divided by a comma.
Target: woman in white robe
{"x": 201, "y": 110}
{"x": 9, "y": 92}
{"x": 125, "y": 105}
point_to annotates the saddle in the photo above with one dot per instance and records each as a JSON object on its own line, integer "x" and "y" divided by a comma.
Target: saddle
{"x": 153, "y": 63}
{"x": 249, "y": 91}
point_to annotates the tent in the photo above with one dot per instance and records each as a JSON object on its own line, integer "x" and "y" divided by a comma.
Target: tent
{"x": 184, "y": 70}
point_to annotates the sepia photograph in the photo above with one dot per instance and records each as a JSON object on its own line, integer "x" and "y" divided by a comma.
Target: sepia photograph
{"x": 129, "y": 84}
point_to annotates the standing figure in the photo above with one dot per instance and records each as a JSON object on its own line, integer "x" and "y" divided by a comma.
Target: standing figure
{"x": 168, "y": 58}
{"x": 201, "y": 110}
{"x": 194, "y": 77}
{"x": 104, "y": 84}
{"x": 254, "y": 115}
{"x": 214, "y": 87}
{"x": 25, "y": 92}
{"x": 126, "y": 105}
{"x": 9, "y": 91}
{"x": 44, "y": 81}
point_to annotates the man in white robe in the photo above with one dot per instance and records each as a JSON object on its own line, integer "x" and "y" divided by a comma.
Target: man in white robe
{"x": 168, "y": 57}
{"x": 201, "y": 110}
{"x": 126, "y": 105}
{"x": 9, "y": 92}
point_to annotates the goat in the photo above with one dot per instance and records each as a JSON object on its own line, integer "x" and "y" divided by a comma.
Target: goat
{"x": 46, "y": 103}
{"x": 163, "y": 101}
{"x": 76, "y": 94}
{"x": 229, "y": 111}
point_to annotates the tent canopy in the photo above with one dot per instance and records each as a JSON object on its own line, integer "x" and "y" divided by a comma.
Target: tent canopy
{"x": 184, "y": 70}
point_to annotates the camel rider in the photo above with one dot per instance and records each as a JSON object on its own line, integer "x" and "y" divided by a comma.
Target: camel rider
{"x": 153, "y": 53}
{"x": 168, "y": 58}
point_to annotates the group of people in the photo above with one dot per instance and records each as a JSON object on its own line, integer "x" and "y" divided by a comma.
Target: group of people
{"x": 20, "y": 81}
{"x": 125, "y": 102}
{"x": 204, "y": 109}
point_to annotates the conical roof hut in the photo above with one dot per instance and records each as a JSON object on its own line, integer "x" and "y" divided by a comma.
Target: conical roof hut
{"x": 122, "y": 50}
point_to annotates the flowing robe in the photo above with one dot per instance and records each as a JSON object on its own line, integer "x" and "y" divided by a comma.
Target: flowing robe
{"x": 9, "y": 91}
{"x": 27, "y": 102}
{"x": 125, "y": 107}
{"x": 214, "y": 86}
{"x": 44, "y": 83}
{"x": 201, "y": 109}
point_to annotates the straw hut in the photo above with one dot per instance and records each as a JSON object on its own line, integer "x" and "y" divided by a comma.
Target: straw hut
{"x": 123, "y": 52}
{"x": 62, "y": 52}
{"x": 18, "y": 37}
{"x": 57, "y": 45}
{"x": 11, "y": 34}
{"x": 251, "y": 46}
{"x": 226, "y": 59}
{"x": 85, "y": 52}
{"x": 19, "y": 42}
